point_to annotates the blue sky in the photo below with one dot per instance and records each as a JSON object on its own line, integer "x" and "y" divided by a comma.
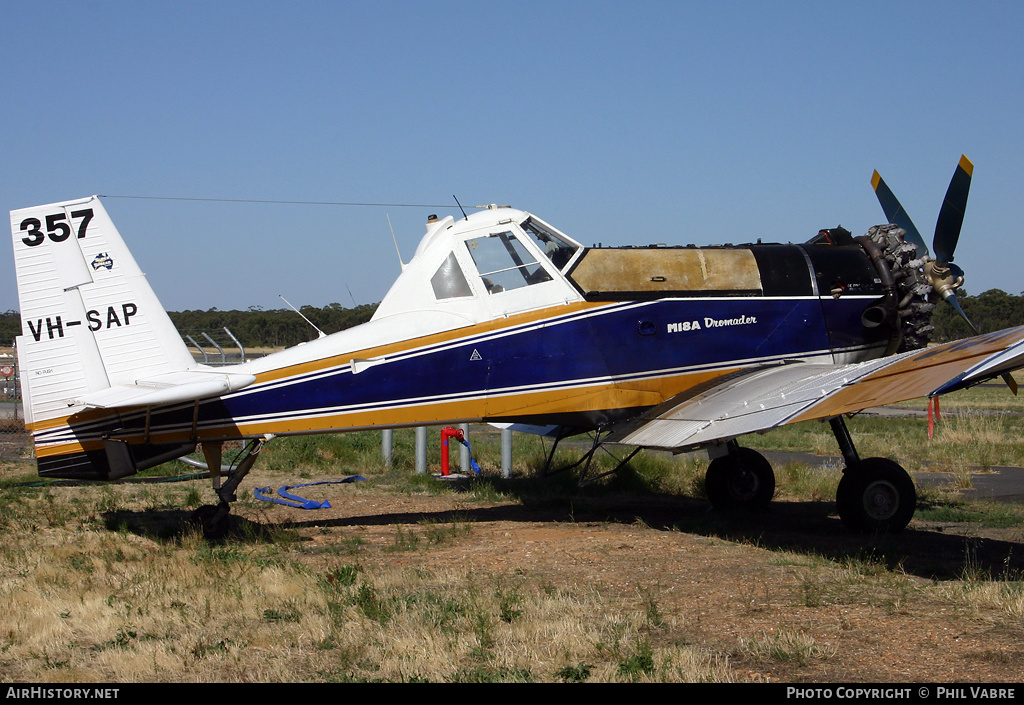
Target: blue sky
{"x": 617, "y": 122}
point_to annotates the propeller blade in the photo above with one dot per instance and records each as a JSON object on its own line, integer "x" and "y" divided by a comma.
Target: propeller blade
{"x": 951, "y": 215}
{"x": 897, "y": 216}
{"x": 955, "y": 302}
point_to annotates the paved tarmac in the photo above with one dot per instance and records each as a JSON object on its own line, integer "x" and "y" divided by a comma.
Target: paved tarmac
{"x": 998, "y": 484}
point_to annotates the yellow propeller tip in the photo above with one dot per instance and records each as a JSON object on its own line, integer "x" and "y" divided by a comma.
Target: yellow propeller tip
{"x": 966, "y": 164}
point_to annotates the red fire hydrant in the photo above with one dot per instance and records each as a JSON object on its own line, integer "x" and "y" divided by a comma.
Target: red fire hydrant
{"x": 447, "y": 433}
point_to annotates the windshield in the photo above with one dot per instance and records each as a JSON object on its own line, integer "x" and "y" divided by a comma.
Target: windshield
{"x": 557, "y": 250}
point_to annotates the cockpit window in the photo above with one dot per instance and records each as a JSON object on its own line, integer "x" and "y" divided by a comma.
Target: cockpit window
{"x": 504, "y": 263}
{"x": 558, "y": 250}
{"x": 448, "y": 281}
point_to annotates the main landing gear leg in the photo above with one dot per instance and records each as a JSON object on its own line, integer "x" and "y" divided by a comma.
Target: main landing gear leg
{"x": 875, "y": 495}
{"x": 740, "y": 478}
{"x": 214, "y": 519}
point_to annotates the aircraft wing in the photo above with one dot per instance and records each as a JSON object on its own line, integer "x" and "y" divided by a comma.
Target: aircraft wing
{"x": 761, "y": 398}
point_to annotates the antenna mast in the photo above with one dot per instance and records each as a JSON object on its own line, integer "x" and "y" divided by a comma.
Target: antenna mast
{"x": 321, "y": 334}
{"x": 396, "y": 244}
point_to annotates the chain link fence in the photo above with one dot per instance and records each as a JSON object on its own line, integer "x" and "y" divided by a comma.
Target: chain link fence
{"x": 12, "y": 416}
{"x": 218, "y": 347}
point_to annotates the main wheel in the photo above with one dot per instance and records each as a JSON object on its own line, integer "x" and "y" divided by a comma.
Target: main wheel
{"x": 876, "y": 496}
{"x": 743, "y": 479}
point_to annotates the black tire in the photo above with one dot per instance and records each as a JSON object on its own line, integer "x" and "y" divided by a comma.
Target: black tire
{"x": 743, "y": 479}
{"x": 213, "y": 520}
{"x": 876, "y": 496}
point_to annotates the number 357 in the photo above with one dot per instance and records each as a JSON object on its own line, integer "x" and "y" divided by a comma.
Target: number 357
{"x": 58, "y": 228}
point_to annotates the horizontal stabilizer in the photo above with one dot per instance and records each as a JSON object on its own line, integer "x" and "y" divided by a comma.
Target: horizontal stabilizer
{"x": 169, "y": 388}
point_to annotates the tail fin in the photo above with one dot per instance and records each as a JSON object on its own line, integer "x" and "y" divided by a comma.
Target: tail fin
{"x": 90, "y": 320}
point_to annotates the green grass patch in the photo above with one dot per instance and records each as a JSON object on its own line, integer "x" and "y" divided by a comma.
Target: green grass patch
{"x": 949, "y": 508}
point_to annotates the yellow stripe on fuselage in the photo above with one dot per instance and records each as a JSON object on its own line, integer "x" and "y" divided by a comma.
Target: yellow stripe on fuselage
{"x": 326, "y": 363}
{"x": 603, "y": 396}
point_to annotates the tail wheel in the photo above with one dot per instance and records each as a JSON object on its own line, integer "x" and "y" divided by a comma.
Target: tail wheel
{"x": 743, "y": 479}
{"x": 876, "y": 495}
{"x": 213, "y": 519}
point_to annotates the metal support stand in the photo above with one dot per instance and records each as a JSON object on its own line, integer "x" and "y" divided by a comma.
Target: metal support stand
{"x": 387, "y": 443}
{"x": 506, "y": 453}
{"x": 464, "y": 450}
{"x": 421, "y": 450}
{"x": 586, "y": 458}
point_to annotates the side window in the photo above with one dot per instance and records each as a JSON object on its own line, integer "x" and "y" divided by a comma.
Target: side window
{"x": 557, "y": 250}
{"x": 448, "y": 281}
{"x": 504, "y": 263}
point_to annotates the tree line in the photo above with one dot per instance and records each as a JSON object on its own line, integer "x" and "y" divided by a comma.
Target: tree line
{"x": 276, "y": 328}
{"x": 991, "y": 310}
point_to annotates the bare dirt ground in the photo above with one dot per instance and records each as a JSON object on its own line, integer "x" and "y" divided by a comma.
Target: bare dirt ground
{"x": 725, "y": 580}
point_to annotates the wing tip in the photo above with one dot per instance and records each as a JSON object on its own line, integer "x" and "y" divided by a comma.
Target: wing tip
{"x": 966, "y": 164}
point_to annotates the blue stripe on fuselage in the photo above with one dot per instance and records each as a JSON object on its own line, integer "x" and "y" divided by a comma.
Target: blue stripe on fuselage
{"x": 624, "y": 342}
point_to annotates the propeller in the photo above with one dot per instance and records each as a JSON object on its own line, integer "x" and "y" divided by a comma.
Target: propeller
{"x": 897, "y": 216}
{"x": 945, "y": 276}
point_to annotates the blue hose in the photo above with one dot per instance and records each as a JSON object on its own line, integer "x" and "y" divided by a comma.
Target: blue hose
{"x": 472, "y": 462}
{"x": 290, "y": 500}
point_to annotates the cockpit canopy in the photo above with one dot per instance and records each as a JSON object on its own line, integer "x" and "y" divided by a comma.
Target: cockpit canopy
{"x": 503, "y": 261}
{"x": 500, "y": 251}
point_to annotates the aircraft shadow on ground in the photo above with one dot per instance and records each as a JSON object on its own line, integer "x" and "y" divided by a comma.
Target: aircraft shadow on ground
{"x": 809, "y": 528}
{"x": 169, "y": 525}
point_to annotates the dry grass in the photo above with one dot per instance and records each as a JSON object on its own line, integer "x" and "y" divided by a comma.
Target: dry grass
{"x": 85, "y": 603}
{"x": 89, "y": 597}
{"x": 974, "y": 441}
{"x": 785, "y": 645}
{"x": 967, "y": 441}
